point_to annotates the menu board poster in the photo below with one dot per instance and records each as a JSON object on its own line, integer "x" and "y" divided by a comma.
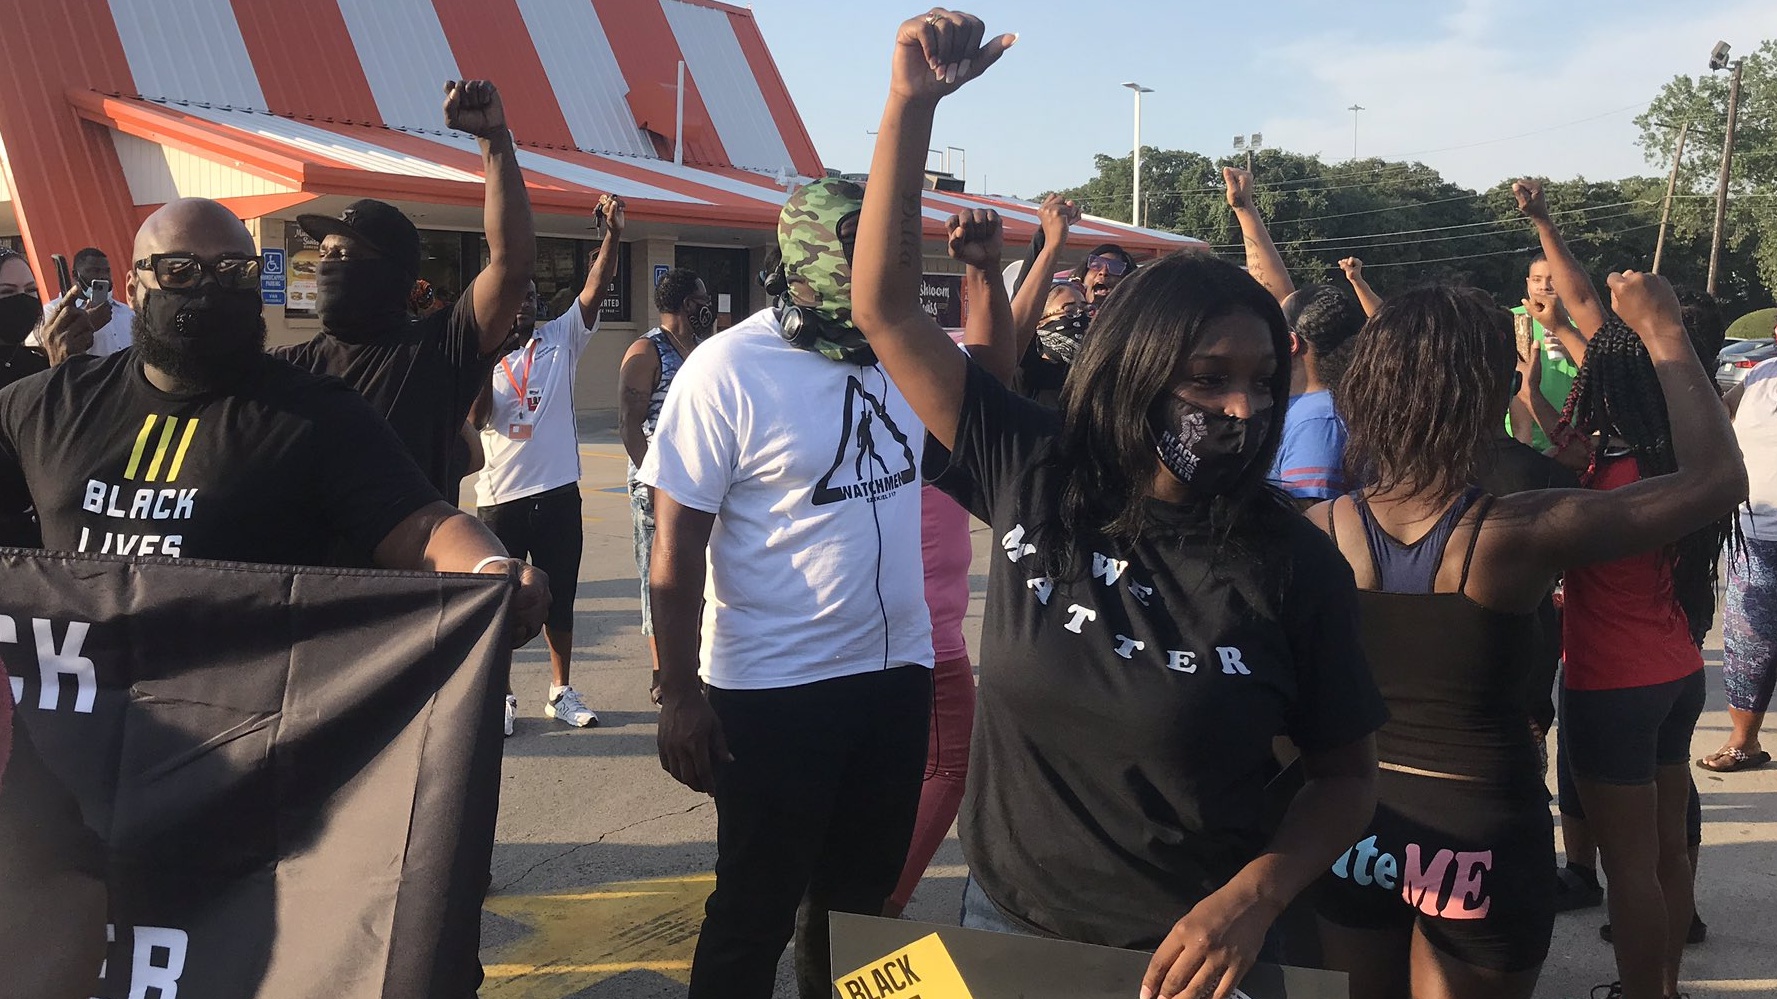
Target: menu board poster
{"x": 302, "y": 254}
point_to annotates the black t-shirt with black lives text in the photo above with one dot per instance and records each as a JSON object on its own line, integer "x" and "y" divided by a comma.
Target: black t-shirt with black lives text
{"x": 422, "y": 377}
{"x": 281, "y": 469}
{"x": 1124, "y": 735}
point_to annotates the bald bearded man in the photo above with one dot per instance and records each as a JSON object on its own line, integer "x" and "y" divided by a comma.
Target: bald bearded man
{"x": 197, "y": 444}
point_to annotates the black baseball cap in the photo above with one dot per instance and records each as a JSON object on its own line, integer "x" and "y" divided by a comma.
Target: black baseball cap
{"x": 377, "y": 223}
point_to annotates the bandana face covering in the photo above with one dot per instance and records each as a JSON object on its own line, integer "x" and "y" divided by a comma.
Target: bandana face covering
{"x": 1061, "y": 337}
{"x": 360, "y": 300}
{"x": 1206, "y": 451}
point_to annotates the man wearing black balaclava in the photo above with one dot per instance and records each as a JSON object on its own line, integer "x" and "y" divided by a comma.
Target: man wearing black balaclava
{"x": 422, "y": 376}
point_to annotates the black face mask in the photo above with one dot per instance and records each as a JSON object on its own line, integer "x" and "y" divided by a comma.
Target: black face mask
{"x": 1207, "y": 451}
{"x": 360, "y": 300}
{"x": 203, "y": 338}
{"x": 702, "y": 322}
{"x": 19, "y": 315}
{"x": 1061, "y": 337}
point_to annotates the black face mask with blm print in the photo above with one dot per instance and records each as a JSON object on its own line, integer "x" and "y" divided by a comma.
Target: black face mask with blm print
{"x": 1207, "y": 451}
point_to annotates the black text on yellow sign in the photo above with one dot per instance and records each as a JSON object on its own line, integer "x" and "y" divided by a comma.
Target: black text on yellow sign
{"x": 921, "y": 970}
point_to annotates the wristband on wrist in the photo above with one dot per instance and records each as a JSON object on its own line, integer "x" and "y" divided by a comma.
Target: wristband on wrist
{"x": 490, "y": 560}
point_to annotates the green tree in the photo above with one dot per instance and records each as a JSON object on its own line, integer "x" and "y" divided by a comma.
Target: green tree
{"x": 1749, "y": 244}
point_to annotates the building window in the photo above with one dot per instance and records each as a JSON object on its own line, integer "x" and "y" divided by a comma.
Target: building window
{"x": 562, "y": 265}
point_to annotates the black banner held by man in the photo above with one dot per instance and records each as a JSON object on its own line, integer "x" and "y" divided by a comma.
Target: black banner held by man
{"x": 290, "y": 776}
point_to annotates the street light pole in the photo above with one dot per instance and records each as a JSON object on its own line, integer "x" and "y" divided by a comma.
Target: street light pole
{"x": 1135, "y": 194}
{"x": 1721, "y": 189}
{"x": 1354, "y": 109}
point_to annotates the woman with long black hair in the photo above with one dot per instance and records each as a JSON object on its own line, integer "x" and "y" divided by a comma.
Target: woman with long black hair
{"x": 1156, "y": 614}
{"x": 1633, "y": 683}
{"x": 1448, "y": 894}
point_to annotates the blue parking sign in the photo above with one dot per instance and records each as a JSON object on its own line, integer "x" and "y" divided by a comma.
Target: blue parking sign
{"x": 271, "y": 277}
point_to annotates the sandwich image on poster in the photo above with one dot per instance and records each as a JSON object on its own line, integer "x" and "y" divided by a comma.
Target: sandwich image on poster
{"x": 901, "y": 959}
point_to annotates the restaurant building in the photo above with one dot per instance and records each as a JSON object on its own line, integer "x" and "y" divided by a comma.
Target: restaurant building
{"x": 278, "y": 109}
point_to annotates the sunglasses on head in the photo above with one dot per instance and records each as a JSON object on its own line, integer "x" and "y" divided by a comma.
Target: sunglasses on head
{"x": 1114, "y": 266}
{"x": 184, "y": 271}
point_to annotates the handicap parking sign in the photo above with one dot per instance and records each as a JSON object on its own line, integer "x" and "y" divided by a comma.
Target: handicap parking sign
{"x": 271, "y": 277}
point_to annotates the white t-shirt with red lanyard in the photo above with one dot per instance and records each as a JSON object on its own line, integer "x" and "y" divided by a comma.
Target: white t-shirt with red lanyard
{"x": 531, "y": 442}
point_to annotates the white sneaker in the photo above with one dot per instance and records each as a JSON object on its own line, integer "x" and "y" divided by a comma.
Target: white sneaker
{"x": 511, "y": 714}
{"x": 565, "y": 703}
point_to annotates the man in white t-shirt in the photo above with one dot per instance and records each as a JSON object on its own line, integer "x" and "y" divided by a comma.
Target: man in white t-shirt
{"x": 528, "y": 491}
{"x": 111, "y": 329}
{"x": 795, "y": 466}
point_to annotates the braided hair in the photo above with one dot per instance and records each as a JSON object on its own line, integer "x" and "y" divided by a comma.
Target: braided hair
{"x": 1617, "y": 396}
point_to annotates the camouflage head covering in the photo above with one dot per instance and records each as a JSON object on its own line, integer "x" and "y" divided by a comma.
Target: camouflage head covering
{"x": 808, "y": 237}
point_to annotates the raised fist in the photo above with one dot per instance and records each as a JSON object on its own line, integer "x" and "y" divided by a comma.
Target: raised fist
{"x": 1353, "y": 268}
{"x": 1647, "y": 304}
{"x": 1057, "y": 216}
{"x": 474, "y": 106}
{"x": 975, "y": 238}
{"x": 1529, "y": 194}
{"x": 1240, "y": 187}
{"x": 941, "y": 50}
{"x": 610, "y": 208}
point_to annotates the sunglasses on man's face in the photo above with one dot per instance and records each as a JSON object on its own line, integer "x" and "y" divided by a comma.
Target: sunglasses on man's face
{"x": 185, "y": 271}
{"x": 1114, "y": 266}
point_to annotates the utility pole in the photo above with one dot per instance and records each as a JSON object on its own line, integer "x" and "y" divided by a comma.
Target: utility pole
{"x": 1671, "y": 186}
{"x": 1721, "y": 189}
{"x": 1354, "y": 109}
{"x": 1135, "y": 193}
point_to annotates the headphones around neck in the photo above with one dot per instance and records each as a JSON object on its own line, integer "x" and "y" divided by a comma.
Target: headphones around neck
{"x": 800, "y": 327}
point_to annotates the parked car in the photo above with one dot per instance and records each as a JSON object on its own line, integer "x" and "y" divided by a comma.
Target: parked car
{"x": 1739, "y": 357}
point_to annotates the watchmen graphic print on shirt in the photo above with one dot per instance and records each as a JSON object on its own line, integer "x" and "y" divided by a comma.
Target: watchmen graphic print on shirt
{"x": 875, "y": 458}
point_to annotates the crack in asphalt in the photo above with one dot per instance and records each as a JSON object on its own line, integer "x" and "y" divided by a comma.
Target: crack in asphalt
{"x": 502, "y": 889}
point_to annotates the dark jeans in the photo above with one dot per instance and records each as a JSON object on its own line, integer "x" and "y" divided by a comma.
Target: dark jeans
{"x": 814, "y": 815}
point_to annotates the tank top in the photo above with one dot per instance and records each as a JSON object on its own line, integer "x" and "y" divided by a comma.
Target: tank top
{"x": 670, "y": 362}
{"x": 1621, "y": 623}
{"x": 1452, "y": 672}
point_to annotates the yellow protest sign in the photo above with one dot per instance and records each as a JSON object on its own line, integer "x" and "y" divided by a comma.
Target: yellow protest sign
{"x": 921, "y": 970}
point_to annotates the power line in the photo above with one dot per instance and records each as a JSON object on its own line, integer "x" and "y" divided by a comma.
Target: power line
{"x": 1494, "y": 253}
{"x": 1378, "y": 211}
{"x": 1448, "y": 228}
{"x": 1360, "y": 242}
{"x": 1445, "y": 260}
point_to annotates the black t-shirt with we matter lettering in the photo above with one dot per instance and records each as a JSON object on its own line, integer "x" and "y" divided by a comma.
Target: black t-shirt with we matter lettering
{"x": 282, "y": 469}
{"x": 1123, "y": 739}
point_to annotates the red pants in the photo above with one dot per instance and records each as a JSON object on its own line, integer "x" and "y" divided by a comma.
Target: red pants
{"x": 947, "y": 765}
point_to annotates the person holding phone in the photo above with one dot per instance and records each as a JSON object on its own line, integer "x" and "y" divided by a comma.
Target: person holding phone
{"x": 111, "y": 320}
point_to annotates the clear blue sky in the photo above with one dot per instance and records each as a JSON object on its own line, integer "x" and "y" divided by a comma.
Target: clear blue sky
{"x": 1432, "y": 75}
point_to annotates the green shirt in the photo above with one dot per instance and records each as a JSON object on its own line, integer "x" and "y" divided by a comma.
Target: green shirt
{"x": 1558, "y": 373}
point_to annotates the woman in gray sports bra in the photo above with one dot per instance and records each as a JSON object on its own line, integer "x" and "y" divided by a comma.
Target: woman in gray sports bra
{"x": 1449, "y": 893}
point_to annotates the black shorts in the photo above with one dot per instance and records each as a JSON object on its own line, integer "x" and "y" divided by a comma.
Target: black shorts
{"x": 545, "y": 530}
{"x": 1624, "y": 736}
{"x": 1473, "y": 865}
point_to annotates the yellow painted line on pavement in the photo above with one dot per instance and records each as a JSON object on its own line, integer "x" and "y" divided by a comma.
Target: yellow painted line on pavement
{"x": 617, "y": 967}
{"x": 583, "y": 936}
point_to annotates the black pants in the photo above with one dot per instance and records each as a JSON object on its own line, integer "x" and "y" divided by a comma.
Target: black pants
{"x": 814, "y": 815}
{"x": 544, "y": 529}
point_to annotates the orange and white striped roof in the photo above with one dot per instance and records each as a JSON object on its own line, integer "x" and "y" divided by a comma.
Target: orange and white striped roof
{"x": 344, "y": 97}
